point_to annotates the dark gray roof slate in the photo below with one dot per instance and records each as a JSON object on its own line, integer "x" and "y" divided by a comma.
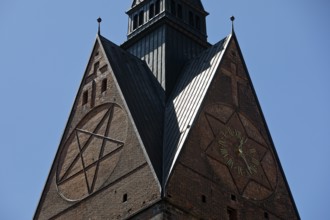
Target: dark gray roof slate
{"x": 144, "y": 97}
{"x": 186, "y": 99}
{"x": 163, "y": 129}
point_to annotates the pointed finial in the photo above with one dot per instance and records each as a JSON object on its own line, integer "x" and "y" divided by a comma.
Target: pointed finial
{"x": 232, "y": 18}
{"x": 99, "y": 20}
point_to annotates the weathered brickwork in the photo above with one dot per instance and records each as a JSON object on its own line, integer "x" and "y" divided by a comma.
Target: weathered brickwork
{"x": 204, "y": 186}
{"x": 129, "y": 186}
{"x": 109, "y": 204}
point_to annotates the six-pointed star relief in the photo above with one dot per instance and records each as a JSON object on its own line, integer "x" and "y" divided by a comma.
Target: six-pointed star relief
{"x": 91, "y": 152}
{"x": 231, "y": 135}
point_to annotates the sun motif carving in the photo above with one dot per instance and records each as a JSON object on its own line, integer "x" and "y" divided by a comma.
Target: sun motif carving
{"x": 236, "y": 144}
{"x": 91, "y": 152}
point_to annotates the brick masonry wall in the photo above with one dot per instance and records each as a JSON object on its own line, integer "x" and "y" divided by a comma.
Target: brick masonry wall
{"x": 129, "y": 174}
{"x": 202, "y": 184}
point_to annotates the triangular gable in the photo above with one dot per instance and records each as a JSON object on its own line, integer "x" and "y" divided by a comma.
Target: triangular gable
{"x": 227, "y": 155}
{"x": 186, "y": 99}
{"x": 101, "y": 149}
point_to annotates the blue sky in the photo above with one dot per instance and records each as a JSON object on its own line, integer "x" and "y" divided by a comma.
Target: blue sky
{"x": 45, "y": 46}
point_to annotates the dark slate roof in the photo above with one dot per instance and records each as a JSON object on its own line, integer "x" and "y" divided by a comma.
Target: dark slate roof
{"x": 144, "y": 97}
{"x": 163, "y": 129}
{"x": 186, "y": 99}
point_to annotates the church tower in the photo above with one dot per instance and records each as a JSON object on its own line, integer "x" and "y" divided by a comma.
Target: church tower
{"x": 166, "y": 34}
{"x": 166, "y": 126}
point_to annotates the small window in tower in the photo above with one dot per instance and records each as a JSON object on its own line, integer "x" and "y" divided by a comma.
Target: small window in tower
{"x": 198, "y": 22}
{"x": 141, "y": 18}
{"x": 125, "y": 197}
{"x": 191, "y": 18}
{"x": 266, "y": 215}
{"x": 203, "y": 198}
{"x": 232, "y": 214}
{"x": 180, "y": 11}
{"x": 151, "y": 11}
{"x": 96, "y": 67}
{"x": 135, "y": 22}
{"x": 157, "y": 7}
{"x": 104, "y": 85}
{"x": 85, "y": 98}
{"x": 93, "y": 94}
{"x": 173, "y": 9}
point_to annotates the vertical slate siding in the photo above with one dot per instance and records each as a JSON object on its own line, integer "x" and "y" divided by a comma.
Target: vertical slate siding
{"x": 152, "y": 50}
{"x": 165, "y": 62}
{"x": 185, "y": 101}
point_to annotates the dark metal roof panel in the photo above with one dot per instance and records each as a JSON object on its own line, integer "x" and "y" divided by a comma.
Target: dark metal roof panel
{"x": 144, "y": 97}
{"x": 184, "y": 104}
